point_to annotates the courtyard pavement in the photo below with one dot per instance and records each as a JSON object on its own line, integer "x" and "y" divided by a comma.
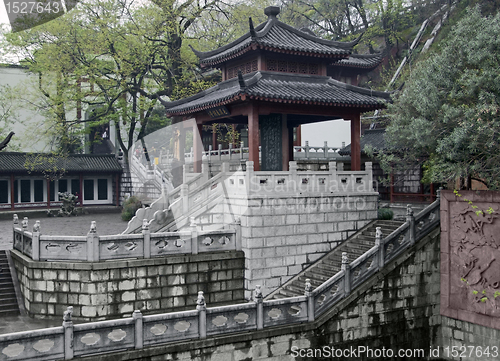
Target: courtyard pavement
{"x": 107, "y": 223}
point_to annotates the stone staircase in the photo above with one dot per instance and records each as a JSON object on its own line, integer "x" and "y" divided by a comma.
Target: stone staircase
{"x": 8, "y": 300}
{"x": 330, "y": 264}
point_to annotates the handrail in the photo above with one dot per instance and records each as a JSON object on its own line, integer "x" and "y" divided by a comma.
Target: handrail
{"x": 256, "y": 315}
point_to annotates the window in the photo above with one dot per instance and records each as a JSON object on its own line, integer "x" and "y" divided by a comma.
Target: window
{"x": 38, "y": 190}
{"x": 4, "y": 191}
{"x": 102, "y": 189}
{"x": 25, "y": 191}
{"x": 88, "y": 190}
{"x": 63, "y": 185}
{"x": 52, "y": 191}
{"x": 75, "y": 186}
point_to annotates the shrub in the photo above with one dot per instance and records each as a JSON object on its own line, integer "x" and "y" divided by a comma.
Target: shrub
{"x": 385, "y": 213}
{"x": 130, "y": 206}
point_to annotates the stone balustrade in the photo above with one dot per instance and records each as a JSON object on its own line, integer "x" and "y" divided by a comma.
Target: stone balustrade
{"x": 139, "y": 331}
{"x": 95, "y": 248}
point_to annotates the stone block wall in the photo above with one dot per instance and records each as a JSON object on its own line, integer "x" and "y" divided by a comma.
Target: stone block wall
{"x": 283, "y": 235}
{"x": 114, "y": 289}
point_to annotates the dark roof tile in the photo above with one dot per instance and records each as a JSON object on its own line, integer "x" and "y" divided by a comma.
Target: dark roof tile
{"x": 39, "y": 162}
{"x": 374, "y": 138}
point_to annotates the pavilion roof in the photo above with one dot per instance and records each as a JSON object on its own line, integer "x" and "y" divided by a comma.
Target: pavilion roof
{"x": 275, "y": 36}
{"x": 284, "y": 88}
{"x": 366, "y": 61}
{"x": 374, "y": 138}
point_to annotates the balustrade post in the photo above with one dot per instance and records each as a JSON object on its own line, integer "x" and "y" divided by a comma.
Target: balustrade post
{"x": 230, "y": 150}
{"x": 310, "y": 301}
{"x": 202, "y": 314}
{"x": 220, "y": 151}
{"x": 325, "y": 149}
{"x": 184, "y": 173}
{"x": 209, "y": 152}
{"x": 15, "y": 225}
{"x": 249, "y": 175}
{"x": 380, "y": 245}
{"x": 410, "y": 218}
{"x": 68, "y": 334}
{"x": 93, "y": 243}
{"x": 194, "y": 236}
{"x": 333, "y": 182}
{"x": 259, "y": 301}
{"x": 237, "y": 235}
{"x": 369, "y": 170}
{"x": 306, "y": 148}
{"x": 185, "y": 197}
{"x": 25, "y": 228}
{"x": 35, "y": 242}
{"x": 225, "y": 168}
{"x": 146, "y": 236}
{"x": 241, "y": 150}
{"x": 346, "y": 267}
{"x": 139, "y": 340}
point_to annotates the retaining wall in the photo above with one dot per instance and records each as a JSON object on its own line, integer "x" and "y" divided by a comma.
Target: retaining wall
{"x": 103, "y": 290}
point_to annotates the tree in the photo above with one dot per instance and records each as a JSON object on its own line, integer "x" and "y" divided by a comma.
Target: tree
{"x": 117, "y": 58}
{"x": 8, "y": 115}
{"x": 447, "y": 116}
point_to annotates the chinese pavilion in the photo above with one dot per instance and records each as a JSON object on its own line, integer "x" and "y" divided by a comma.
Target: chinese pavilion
{"x": 275, "y": 78}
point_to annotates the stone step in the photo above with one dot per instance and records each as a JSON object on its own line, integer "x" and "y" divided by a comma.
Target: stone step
{"x": 330, "y": 264}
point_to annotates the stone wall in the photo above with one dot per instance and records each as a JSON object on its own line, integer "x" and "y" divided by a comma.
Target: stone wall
{"x": 283, "y": 235}
{"x": 396, "y": 312}
{"x": 116, "y": 288}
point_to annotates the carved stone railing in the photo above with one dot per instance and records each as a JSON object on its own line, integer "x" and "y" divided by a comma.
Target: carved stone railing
{"x": 95, "y": 248}
{"x": 139, "y": 331}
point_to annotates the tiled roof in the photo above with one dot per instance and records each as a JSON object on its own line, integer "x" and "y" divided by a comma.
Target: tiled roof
{"x": 374, "y": 138}
{"x": 361, "y": 61}
{"x": 273, "y": 86}
{"x": 20, "y": 162}
{"x": 273, "y": 35}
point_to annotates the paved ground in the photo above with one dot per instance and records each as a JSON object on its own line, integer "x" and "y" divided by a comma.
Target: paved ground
{"x": 107, "y": 223}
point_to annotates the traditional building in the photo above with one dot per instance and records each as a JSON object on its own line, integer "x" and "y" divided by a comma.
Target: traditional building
{"x": 275, "y": 78}
{"x": 29, "y": 180}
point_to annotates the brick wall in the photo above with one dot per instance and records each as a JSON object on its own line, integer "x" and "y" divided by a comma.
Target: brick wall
{"x": 283, "y": 235}
{"x": 117, "y": 288}
{"x": 397, "y": 309}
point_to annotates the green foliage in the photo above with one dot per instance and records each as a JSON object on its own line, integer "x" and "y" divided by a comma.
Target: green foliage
{"x": 447, "y": 115}
{"x": 385, "y": 213}
{"x": 130, "y": 206}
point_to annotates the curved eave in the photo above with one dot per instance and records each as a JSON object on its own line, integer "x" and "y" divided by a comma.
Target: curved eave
{"x": 364, "y": 107}
{"x": 255, "y": 46}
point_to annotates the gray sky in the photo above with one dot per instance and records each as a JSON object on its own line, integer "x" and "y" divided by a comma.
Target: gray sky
{"x": 333, "y": 131}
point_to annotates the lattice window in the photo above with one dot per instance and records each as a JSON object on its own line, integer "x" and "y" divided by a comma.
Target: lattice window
{"x": 292, "y": 67}
{"x": 230, "y": 73}
{"x": 248, "y": 67}
{"x": 272, "y": 65}
{"x": 303, "y": 68}
{"x": 313, "y": 68}
{"x": 254, "y": 65}
{"x": 283, "y": 66}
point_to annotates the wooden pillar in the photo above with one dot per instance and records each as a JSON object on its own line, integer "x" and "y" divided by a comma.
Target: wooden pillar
{"x": 12, "y": 195}
{"x": 285, "y": 142}
{"x": 117, "y": 189}
{"x": 80, "y": 195}
{"x": 253, "y": 137}
{"x": 48, "y": 193}
{"x": 291, "y": 143}
{"x": 197, "y": 147}
{"x": 355, "y": 142}
{"x": 298, "y": 140}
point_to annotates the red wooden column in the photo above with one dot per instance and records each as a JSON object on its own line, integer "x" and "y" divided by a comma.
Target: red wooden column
{"x": 197, "y": 147}
{"x": 285, "y": 142}
{"x": 355, "y": 142}
{"x": 253, "y": 137}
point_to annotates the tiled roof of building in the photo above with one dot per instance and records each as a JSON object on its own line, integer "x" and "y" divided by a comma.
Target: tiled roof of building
{"x": 361, "y": 61}
{"x": 283, "y": 87}
{"x": 39, "y": 162}
{"x": 374, "y": 138}
{"x": 273, "y": 35}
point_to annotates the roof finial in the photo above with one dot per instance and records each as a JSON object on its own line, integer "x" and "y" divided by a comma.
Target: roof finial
{"x": 252, "y": 30}
{"x": 241, "y": 80}
{"x": 272, "y": 12}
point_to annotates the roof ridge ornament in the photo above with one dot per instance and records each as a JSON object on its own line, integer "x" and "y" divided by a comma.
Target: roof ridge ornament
{"x": 253, "y": 34}
{"x": 272, "y": 12}
{"x": 243, "y": 85}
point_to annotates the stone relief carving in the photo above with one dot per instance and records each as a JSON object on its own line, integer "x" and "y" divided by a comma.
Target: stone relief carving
{"x": 475, "y": 258}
